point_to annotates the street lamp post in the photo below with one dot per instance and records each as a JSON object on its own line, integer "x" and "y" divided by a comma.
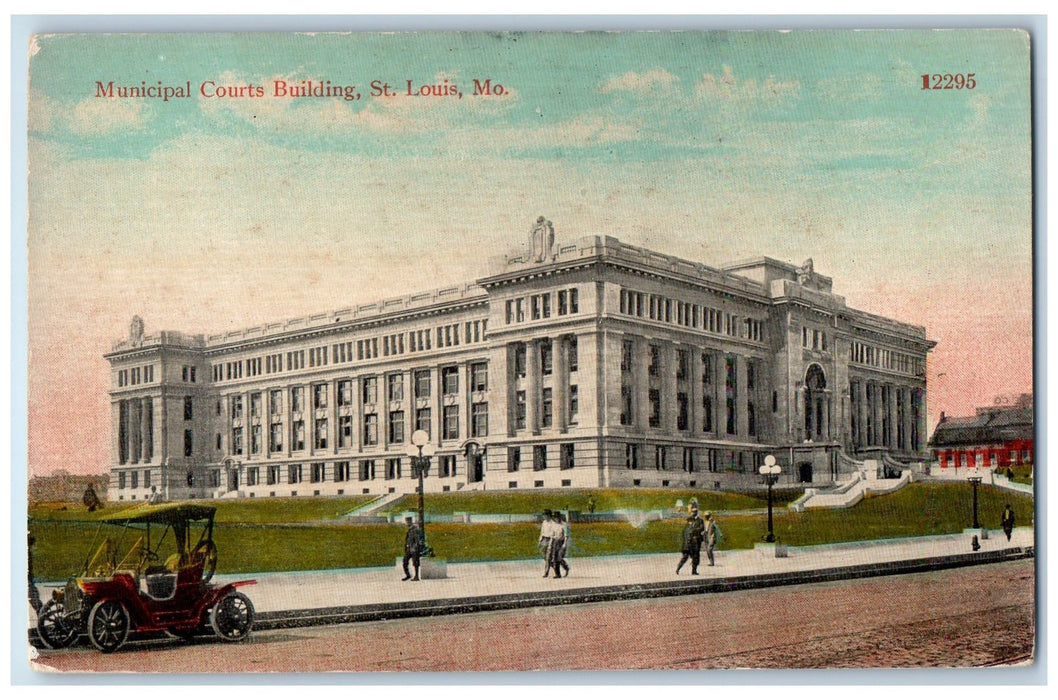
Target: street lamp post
{"x": 974, "y": 481}
{"x": 420, "y": 451}
{"x": 770, "y": 471}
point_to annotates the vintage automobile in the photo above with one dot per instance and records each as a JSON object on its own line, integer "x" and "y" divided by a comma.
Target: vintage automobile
{"x": 160, "y": 584}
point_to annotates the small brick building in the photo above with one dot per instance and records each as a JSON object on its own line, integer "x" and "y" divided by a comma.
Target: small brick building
{"x": 996, "y": 437}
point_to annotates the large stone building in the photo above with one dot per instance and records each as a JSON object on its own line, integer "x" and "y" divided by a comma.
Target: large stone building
{"x": 592, "y": 364}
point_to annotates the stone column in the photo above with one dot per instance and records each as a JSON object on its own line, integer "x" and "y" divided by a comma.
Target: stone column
{"x": 147, "y": 429}
{"x": 135, "y": 430}
{"x": 560, "y": 381}
{"x": 641, "y": 379}
{"x": 891, "y": 408}
{"x": 532, "y": 394}
{"x": 825, "y": 426}
{"x": 720, "y": 401}
{"x": 116, "y": 446}
{"x": 861, "y": 410}
{"x": 667, "y": 386}
{"x": 694, "y": 391}
{"x": 741, "y": 398}
{"x": 906, "y": 394}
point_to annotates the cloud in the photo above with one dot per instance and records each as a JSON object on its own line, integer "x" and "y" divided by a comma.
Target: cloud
{"x": 728, "y": 88}
{"x": 654, "y": 80}
{"x": 100, "y": 115}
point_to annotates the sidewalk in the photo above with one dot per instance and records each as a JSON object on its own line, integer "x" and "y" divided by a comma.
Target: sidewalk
{"x": 297, "y": 599}
{"x": 324, "y": 597}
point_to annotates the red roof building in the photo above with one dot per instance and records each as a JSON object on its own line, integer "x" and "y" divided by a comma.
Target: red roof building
{"x": 996, "y": 437}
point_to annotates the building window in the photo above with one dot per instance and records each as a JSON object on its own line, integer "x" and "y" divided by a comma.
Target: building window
{"x": 255, "y": 439}
{"x": 393, "y": 468}
{"x": 422, "y": 384}
{"x": 252, "y": 476}
{"x": 627, "y": 355}
{"x": 275, "y": 399}
{"x": 626, "y": 404}
{"x": 707, "y": 414}
{"x": 135, "y": 479}
{"x": 345, "y": 431}
{"x": 546, "y": 357}
{"x": 631, "y": 456}
{"x": 574, "y": 403}
{"x": 317, "y": 474}
{"x": 563, "y": 301}
{"x": 566, "y": 456}
{"x": 396, "y": 426}
{"x": 654, "y": 396}
{"x": 574, "y": 302}
{"x": 519, "y": 310}
{"x": 188, "y": 408}
{"x": 370, "y": 390}
{"x": 519, "y": 410}
{"x": 661, "y": 457}
{"x": 707, "y": 369}
{"x": 236, "y": 408}
{"x": 446, "y": 466}
{"x": 371, "y": 429}
{"x": 519, "y": 360}
{"x": 731, "y": 390}
{"x": 423, "y": 418}
{"x": 299, "y": 435}
{"x": 571, "y": 349}
{"x": 514, "y": 458}
{"x": 751, "y": 419}
{"x": 479, "y": 420}
{"x": 275, "y": 438}
{"x": 341, "y": 471}
{"x": 236, "y": 441}
{"x": 121, "y": 480}
{"x": 450, "y": 427}
{"x": 320, "y": 438}
{"x": 255, "y": 405}
{"x": 294, "y": 474}
{"x": 395, "y": 389}
{"x": 546, "y": 408}
{"x": 688, "y": 460}
{"x": 682, "y": 413}
{"x": 479, "y": 376}
{"x": 450, "y": 380}
{"x": 539, "y": 458}
{"x": 273, "y": 474}
{"x": 367, "y": 469}
{"x": 682, "y": 364}
{"x": 654, "y": 369}
{"x": 345, "y": 392}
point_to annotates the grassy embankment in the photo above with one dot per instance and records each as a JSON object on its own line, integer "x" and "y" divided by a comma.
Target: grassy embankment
{"x": 252, "y": 536}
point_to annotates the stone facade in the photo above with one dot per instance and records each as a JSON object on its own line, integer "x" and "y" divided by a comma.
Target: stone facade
{"x": 591, "y": 364}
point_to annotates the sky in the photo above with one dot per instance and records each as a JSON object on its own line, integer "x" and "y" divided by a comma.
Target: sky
{"x": 210, "y": 213}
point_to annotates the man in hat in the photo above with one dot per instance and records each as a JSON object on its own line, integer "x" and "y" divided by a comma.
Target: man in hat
{"x": 711, "y": 536}
{"x": 545, "y": 541}
{"x": 412, "y": 549}
{"x": 691, "y": 545}
{"x": 1008, "y": 521}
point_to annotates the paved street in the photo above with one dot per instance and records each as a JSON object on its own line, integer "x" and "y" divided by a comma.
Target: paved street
{"x": 976, "y": 615}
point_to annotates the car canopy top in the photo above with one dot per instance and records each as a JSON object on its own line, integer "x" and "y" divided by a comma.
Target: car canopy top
{"x": 167, "y": 513}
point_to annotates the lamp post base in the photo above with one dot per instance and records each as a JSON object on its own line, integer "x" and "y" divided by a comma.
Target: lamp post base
{"x": 771, "y": 550}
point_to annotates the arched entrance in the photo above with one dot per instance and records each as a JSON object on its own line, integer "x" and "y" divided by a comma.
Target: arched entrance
{"x": 475, "y": 462}
{"x": 817, "y": 404}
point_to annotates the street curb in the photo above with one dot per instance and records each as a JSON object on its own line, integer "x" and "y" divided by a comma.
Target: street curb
{"x": 455, "y": 606}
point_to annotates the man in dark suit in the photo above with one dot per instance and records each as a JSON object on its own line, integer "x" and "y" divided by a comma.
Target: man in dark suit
{"x": 1008, "y": 521}
{"x": 693, "y": 533}
{"x": 412, "y": 549}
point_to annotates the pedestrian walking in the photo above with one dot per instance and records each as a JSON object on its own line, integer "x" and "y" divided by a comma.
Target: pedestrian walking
{"x": 712, "y": 536}
{"x": 412, "y": 549}
{"x": 545, "y": 541}
{"x": 559, "y": 545}
{"x": 1008, "y": 521}
{"x": 691, "y": 541}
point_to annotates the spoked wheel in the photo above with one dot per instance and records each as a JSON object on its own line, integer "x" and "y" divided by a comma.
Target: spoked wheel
{"x": 108, "y": 625}
{"x": 54, "y": 631}
{"x": 232, "y": 617}
{"x": 206, "y": 552}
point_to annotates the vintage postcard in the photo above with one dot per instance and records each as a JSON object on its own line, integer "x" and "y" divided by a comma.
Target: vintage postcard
{"x": 468, "y": 351}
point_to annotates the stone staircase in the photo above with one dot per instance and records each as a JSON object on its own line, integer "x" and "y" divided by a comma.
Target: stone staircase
{"x": 867, "y": 478}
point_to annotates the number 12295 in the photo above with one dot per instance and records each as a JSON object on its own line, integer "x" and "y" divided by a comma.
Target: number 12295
{"x": 948, "y": 81}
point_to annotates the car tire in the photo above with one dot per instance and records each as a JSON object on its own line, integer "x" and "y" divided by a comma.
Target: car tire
{"x": 108, "y": 625}
{"x": 232, "y": 617}
{"x": 54, "y": 631}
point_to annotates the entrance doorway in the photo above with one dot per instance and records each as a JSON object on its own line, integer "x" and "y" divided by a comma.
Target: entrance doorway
{"x": 804, "y": 472}
{"x": 475, "y": 463}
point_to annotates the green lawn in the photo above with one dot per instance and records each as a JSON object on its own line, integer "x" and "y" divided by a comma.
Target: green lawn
{"x": 249, "y": 510}
{"x": 917, "y": 509}
{"x": 606, "y": 500}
